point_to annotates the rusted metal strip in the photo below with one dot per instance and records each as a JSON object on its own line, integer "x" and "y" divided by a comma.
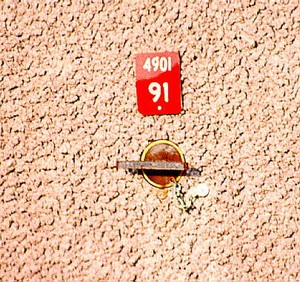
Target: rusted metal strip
{"x": 152, "y": 165}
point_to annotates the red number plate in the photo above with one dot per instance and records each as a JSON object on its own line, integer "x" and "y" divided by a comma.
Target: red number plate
{"x": 158, "y": 83}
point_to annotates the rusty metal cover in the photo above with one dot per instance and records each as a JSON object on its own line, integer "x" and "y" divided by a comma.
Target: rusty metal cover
{"x": 162, "y": 150}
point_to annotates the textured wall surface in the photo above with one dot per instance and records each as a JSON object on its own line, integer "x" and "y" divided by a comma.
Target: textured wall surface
{"x": 68, "y": 113}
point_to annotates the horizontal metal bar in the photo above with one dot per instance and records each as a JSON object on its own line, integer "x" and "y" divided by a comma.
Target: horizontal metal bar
{"x": 152, "y": 165}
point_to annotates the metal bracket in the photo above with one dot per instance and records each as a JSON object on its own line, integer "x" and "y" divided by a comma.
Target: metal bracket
{"x": 152, "y": 165}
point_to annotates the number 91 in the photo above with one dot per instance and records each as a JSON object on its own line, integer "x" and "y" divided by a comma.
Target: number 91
{"x": 155, "y": 89}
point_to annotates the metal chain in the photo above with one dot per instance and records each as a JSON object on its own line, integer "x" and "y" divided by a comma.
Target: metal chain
{"x": 186, "y": 201}
{"x": 184, "y": 204}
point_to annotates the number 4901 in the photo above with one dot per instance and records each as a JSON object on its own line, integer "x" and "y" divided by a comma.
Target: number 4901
{"x": 162, "y": 64}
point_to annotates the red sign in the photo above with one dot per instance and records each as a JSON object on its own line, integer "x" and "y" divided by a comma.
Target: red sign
{"x": 158, "y": 84}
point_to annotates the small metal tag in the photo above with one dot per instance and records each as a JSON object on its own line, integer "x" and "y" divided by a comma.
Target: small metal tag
{"x": 201, "y": 190}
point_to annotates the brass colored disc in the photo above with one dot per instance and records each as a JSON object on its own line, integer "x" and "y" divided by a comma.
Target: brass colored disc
{"x": 162, "y": 150}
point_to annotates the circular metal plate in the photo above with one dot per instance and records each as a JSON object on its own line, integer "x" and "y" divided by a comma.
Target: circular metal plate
{"x": 162, "y": 150}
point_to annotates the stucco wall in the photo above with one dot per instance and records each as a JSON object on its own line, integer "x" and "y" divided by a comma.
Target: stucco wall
{"x": 68, "y": 113}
